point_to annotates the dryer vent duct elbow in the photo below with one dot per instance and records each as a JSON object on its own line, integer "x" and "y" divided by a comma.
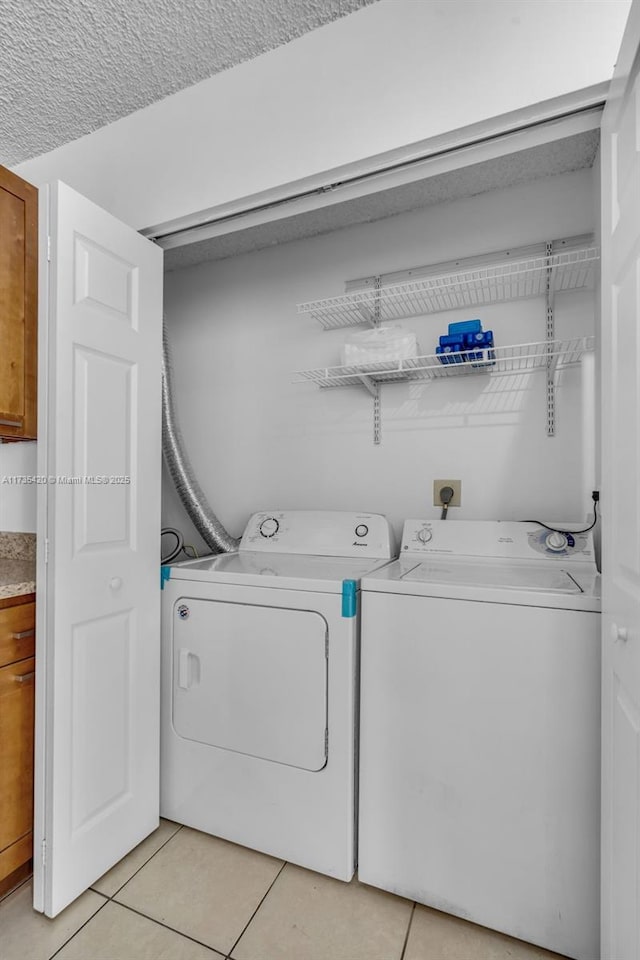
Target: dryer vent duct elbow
{"x": 195, "y": 503}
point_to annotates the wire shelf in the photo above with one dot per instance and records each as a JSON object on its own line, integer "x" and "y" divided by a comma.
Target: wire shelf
{"x": 519, "y": 358}
{"x": 490, "y": 283}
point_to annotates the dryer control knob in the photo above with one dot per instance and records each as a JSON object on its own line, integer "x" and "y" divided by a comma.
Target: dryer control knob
{"x": 361, "y": 530}
{"x": 556, "y": 541}
{"x": 269, "y": 527}
{"x": 424, "y": 535}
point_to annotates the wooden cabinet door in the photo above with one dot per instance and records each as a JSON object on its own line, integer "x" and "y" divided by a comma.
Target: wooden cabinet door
{"x": 18, "y": 306}
{"x": 16, "y": 763}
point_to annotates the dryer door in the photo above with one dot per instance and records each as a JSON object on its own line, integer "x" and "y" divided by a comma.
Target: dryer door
{"x": 251, "y": 679}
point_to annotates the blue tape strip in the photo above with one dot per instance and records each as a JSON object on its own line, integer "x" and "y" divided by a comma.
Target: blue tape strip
{"x": 349, "y": 598}
{"x": 165, "y": 574}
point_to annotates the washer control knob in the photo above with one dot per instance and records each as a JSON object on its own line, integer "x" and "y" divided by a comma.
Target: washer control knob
{"x": 362, "y": 530}
{"x": 269, "y": 527}
{"x": 556, "y": 541}
{"x": 424, "y": 535}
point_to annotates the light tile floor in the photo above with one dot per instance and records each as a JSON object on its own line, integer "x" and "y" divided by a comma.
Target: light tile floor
{"x": 182, "y": 895}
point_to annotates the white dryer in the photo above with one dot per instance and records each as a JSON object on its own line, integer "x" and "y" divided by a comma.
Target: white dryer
{"x": 259, "y": 686}
{"x": 480, "y": 729}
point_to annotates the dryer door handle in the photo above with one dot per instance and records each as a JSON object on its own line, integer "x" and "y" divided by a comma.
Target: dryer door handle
{"x": 185, "y": 677}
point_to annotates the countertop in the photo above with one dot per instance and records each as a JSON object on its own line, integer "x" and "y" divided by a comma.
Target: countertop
{"x": 17, "y": 564}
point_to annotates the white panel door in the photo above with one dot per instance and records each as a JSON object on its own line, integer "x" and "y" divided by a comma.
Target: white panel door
{"x": 98, "y": 653}
{"x": 621, "y": 506}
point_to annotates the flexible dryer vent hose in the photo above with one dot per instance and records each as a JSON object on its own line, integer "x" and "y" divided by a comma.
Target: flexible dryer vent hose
{"x": 181, "y": 471}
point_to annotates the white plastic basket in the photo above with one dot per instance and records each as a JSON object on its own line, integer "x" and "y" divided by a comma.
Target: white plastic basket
{"x": 386, "y": 342}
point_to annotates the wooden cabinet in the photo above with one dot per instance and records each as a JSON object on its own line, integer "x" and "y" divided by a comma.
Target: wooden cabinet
{"x": 18, "y": 306}
{"x": 17, "y": 687}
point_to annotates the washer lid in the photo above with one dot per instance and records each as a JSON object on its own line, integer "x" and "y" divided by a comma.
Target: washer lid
{"x": 281, "y": 570}
{"x": 566, "y": 587}
{"x": 491, "y": 575}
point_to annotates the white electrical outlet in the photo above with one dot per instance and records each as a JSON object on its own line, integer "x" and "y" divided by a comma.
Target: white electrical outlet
{"x": 456, "y": 486}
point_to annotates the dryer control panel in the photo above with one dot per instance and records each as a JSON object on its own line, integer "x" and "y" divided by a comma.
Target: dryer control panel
{"x": 321, "y": 533}
{"x": 496, "y": 540}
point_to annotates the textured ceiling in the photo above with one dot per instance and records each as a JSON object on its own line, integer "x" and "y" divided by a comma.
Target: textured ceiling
{"x": 560, "y": 156}
{"x": 68, "y": 67}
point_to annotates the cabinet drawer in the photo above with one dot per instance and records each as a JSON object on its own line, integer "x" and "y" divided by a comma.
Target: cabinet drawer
{"x": 17, "y": 632}
{"x": 16, "y": 750}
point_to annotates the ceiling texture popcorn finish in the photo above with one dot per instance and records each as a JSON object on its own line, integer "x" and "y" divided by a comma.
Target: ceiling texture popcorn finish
{"x": 68, "y": 67}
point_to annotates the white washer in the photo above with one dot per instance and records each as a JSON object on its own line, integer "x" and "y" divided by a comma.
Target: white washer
{"x": 259, "y": 686}
{"x": 480, "y": 729}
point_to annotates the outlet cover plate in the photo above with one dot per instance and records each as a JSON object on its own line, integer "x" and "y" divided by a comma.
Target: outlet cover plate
{"x": 457, "y": 492}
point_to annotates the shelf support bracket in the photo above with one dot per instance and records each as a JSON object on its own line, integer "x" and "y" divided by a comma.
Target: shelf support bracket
{"x": 374, "y": 390}
{"x": 369, "y": 384}
{"x": 377, "y": 287}
{"x": 376, "y": 416}
{"x": 551, "y": 361}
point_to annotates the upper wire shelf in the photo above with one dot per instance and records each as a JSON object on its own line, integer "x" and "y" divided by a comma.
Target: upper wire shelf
{"x": 486, "y": 283}
{"x": 519, "y": 358}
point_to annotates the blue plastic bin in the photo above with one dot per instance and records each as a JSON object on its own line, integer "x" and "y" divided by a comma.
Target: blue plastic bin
{"x": 465, "y": 326}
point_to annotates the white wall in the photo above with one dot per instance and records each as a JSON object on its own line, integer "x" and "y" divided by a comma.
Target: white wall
{"x": 17, "y": 499}
{"x": 396, "y": 72}
{"x": 258, "y": 441}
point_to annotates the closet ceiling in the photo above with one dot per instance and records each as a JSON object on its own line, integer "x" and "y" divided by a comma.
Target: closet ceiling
{"x": 570, "y": 153}
{"x": 71, "y": 66}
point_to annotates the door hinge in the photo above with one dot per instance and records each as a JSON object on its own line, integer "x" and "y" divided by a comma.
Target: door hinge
{"x": 44, "y": 853}
{"x": 49, "y": 249}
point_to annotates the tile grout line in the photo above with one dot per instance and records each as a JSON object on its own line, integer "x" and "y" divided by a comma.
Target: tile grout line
{"x": 250, "y": 920}
{"x": 141, "y": 867}
{"x": 406, "y": 936}
{"x": 15, "y": 889}
{"x": 166, "y": 926}
{"x": 76, "y": 932}
{"x": 108, "y": 899}
{"x": 226, "y": 955}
